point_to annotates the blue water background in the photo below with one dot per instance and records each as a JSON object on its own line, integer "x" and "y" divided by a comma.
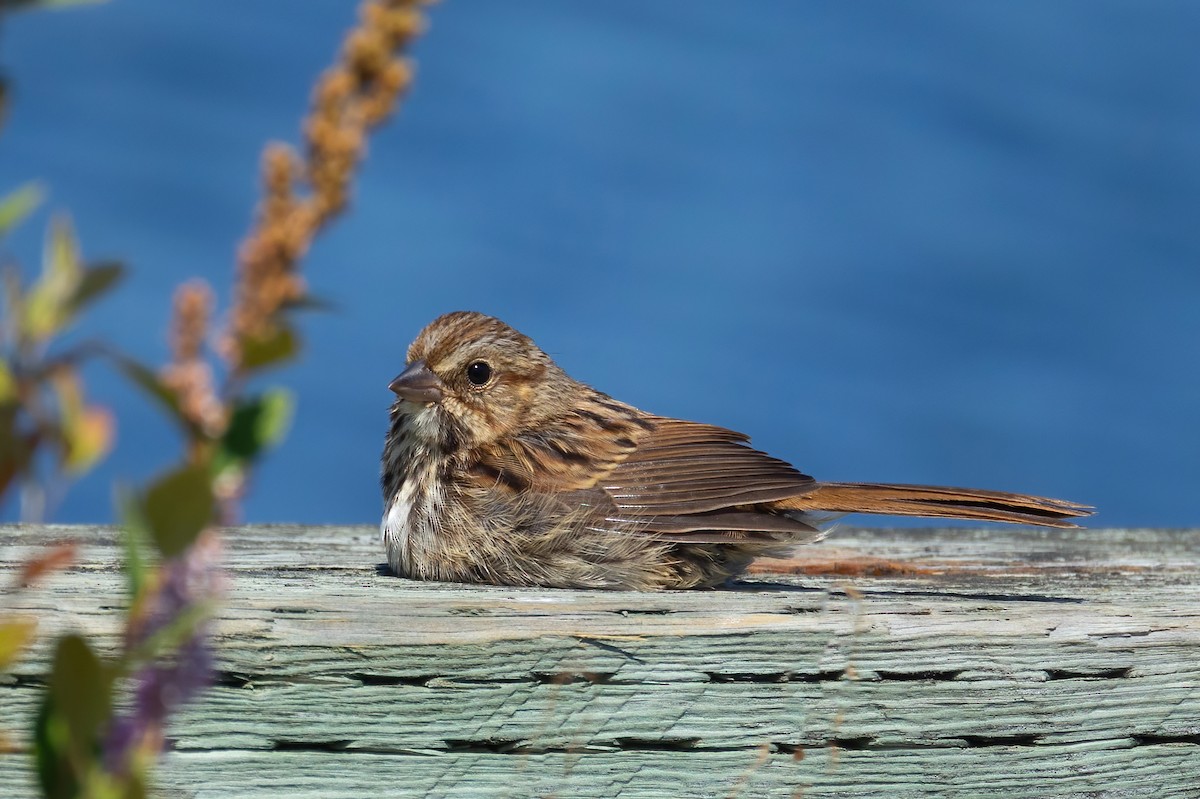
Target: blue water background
{"x": 926, "y": 241}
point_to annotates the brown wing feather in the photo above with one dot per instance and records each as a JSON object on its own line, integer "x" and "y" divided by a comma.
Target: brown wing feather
{"x": 572, "y": 454}
{"x": 650, "y": 475}
{"x": 698, "y": 483}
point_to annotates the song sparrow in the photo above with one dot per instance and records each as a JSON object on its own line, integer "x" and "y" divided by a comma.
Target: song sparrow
{"x": 500, "y": 468}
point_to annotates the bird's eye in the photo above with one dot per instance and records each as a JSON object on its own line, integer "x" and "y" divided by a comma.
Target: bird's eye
{"x": 479, "y": 373}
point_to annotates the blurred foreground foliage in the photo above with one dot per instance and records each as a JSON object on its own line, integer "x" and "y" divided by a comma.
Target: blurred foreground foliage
{"x": 43, "y": 410}
{"x": 103, "y": 715}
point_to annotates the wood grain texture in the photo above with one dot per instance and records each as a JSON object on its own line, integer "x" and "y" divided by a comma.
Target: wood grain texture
{"x": 901, "y": 663}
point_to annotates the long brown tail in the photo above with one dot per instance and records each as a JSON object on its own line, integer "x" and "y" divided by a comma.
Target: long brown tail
{"x": 937, "y": 501}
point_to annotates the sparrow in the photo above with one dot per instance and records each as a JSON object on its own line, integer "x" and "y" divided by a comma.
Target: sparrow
{"x": 500, "y": 468}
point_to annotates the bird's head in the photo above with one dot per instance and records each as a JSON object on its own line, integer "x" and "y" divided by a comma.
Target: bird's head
{"x": 478, "y": 374}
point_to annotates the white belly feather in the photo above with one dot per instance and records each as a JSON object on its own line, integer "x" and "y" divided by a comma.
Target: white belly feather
{"x": 410, "y": 525}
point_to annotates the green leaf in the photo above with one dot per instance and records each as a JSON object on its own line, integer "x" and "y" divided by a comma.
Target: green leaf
{"x": 51, "y": 741}
{"x": 95, "y": 282}
{"x": 134, "y": 787}
{"x": 87, "y": 431}
{"x": 178, "y": 507}
{"x": 80, "y": 688}
{"x": 47, "y": 306}
{"x": 133, "y": 541}
{"x": 258, "y": 423}
{"x": 274, "y": 418}
{"x": 18, "y": 205}
{"x": 89, "y": 439}
{"x": 75, "y": 710}
{"x": 278, "y": 345}
{"x": 8, "y": 383}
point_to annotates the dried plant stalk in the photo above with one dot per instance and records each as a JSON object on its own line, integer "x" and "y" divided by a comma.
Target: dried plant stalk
{"x": 356, "y": 94}
{"x": 189, "y": 374}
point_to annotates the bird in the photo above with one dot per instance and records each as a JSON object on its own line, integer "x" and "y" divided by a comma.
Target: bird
{"x": 500, "y": 468}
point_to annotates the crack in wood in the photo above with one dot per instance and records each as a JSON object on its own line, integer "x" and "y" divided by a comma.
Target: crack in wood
{"x": 437, "y": 681}
{"x": 232, "y": 679}
{"x": 574, "y": 677}
{"x": 855, "y": 744}
{"x": 1152, "y": 739}
{"x": 517, "y": 746}
{"x": 338, "y": 745}
{"x": 607, "y": 647}
{"x": 23, "y": 681}
{"x": 504, "y": 746}
{"x": 980, "y": 741}
{"x": 768, "y": 677}
{"x": 634, "y": 744}
{"x": 931, "y": 675}
{"x": 416, "y": 681}
{"x": 1101, "y": 674}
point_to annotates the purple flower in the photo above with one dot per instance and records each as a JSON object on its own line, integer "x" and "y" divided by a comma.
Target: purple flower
{"x": 165, "y": 684}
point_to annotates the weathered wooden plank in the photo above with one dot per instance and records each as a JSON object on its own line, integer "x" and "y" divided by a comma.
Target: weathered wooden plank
{"x": 900, "y": 662}
{"x": 585, "y": 716}
{"x": 1095, "y": 771}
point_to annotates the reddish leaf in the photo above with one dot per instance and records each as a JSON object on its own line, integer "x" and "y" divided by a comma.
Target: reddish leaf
{"x": 52, "y": 560}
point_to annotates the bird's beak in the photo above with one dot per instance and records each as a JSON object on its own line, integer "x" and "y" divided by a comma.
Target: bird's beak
{"x": 417, "y": 384}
